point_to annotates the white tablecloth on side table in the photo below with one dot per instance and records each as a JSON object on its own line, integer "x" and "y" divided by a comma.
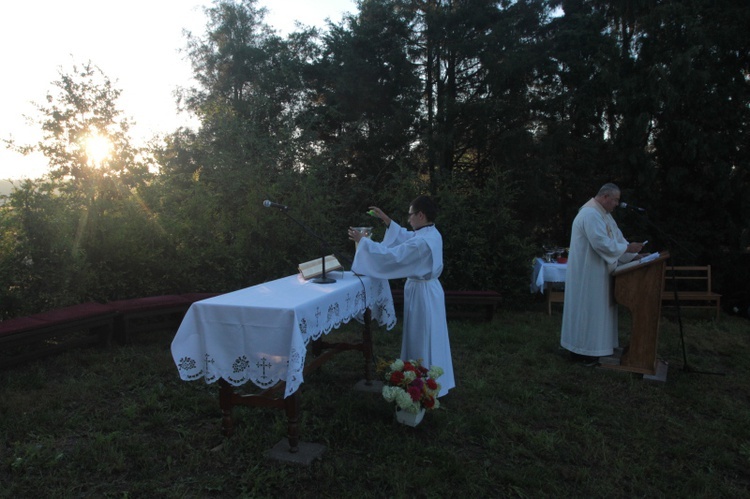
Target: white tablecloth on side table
{"x": 260, "y": 333}
{"x": 546, "y": 272}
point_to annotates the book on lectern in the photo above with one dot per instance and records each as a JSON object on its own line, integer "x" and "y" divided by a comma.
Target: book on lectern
{"x": 648, "y": 258}
{"x": 314, "y": 268}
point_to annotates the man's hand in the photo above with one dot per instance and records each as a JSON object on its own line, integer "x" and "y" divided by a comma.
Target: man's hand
{"x": 355, "y": 235}
{"x": 634, "y": 247}
{"x": 381, "y": 215}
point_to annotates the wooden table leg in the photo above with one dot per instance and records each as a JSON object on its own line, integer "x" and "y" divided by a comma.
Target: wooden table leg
{"x": 367, "y": 347}
{"x": 291, "y": 407}
{"x": 226, "y": 392}
{"x": 291, "y": 404}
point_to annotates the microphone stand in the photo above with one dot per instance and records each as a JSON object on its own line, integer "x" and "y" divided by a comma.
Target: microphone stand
{"x": 324, "y": 248}
{"x": 685, "y": 365}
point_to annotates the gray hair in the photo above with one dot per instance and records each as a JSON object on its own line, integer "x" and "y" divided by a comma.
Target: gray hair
{"x": 607, "y": 189}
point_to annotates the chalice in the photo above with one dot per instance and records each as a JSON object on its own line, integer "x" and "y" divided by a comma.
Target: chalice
{"x": 365, "y": 231}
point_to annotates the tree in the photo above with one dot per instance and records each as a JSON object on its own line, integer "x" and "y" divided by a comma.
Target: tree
{"x": 699, "y": 58}
{"x": 215, "y": 178}
{"x": 82, "y": 232}
{"x": 362, "y": 106}
{"x": 42, "y": 268}
{"x": 83, "y": 113}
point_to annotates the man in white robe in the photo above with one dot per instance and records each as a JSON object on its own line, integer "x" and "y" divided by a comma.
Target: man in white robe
{"x": 589, "y": 326}
{"x": 418, "y": 256}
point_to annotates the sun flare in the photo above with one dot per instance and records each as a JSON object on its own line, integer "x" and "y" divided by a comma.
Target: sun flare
{"x": 98, "y": 148}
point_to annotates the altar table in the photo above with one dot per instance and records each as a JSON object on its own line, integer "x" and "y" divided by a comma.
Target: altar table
{"x": 260, "y": 335}
{"x": 544, "y": 275}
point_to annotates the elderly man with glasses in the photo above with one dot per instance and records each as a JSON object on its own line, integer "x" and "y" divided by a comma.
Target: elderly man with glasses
{"x": 597, "y": 246}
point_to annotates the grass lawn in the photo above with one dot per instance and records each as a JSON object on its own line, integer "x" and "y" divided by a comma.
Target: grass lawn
{"x": 523, "y": 421}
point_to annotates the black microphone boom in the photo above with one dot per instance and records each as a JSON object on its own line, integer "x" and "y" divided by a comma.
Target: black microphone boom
{"x": 271, "y": 204}
{"x": 325, "y": 247}
{"x": 636, "y": 208}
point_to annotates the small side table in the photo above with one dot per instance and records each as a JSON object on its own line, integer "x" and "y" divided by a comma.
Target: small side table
{"x": 543, "y": 279}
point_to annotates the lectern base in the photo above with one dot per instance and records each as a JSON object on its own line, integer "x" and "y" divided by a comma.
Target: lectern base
{"x": 612, "y": 363}
{"x": 662, "y": 366}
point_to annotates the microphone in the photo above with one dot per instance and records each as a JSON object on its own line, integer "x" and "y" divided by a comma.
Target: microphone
{"x": 271, "y": 204}
{"x": 636, "y": 208}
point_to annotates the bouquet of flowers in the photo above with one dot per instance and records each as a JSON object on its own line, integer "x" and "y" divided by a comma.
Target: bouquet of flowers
{"x": 412, "y": 386}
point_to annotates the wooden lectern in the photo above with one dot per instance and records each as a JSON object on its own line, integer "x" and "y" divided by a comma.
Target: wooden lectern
{"x": 638, "y": 287}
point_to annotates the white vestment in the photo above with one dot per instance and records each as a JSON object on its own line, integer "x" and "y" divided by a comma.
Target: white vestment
{"x": 589, "y": 325}
{"x": 417, "y": 256}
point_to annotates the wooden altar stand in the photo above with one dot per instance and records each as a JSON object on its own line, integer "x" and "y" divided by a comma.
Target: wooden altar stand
{"x": 638, "y": 287}
{"x": 291, "y": 449}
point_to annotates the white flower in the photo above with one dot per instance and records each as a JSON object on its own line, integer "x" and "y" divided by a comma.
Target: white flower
{"x": 390, "y": 392}
{"x": 404, "y": 402}
{"x": 401, "y": 398}
{"x": 397, "y": 365}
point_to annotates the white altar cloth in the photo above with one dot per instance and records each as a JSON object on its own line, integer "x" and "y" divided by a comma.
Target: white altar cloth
{"x": 546, "y": 272}
{"x": 260, "y": 333}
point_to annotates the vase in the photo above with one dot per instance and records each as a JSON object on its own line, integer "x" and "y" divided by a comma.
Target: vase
{"x": 409, "y": 418}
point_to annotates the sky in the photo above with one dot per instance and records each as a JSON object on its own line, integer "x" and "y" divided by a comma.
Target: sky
{"x": 139, "y": 45}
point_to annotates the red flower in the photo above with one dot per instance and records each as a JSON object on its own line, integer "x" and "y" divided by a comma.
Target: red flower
{"x": 409, "y": 367}
{"x": 415, "y": 393}
{"x": 428, "y": 402}
{"x": 397, "y": 377}
{"x": 432, "y": 384}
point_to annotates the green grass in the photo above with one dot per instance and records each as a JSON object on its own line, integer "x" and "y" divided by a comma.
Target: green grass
{"x": 523, "y": 422}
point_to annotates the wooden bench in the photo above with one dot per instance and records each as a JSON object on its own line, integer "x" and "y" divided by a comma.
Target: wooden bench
{"x": 463, "y": 304}
{"x": 693, "y": 284}
{"x": 152, "y": 313}
{"x": 39, "y": 335}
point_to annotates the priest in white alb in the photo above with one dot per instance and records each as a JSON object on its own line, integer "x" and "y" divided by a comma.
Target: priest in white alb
{"x": 597, "y": 246}
{"x": 417, "y": 256}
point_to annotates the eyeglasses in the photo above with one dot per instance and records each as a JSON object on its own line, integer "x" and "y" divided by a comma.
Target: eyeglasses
{"x": 413, "y": 213}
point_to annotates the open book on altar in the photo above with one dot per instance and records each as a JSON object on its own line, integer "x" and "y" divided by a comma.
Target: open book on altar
{"x": 635, "y": 263}
{"x": 314, "y": 268}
